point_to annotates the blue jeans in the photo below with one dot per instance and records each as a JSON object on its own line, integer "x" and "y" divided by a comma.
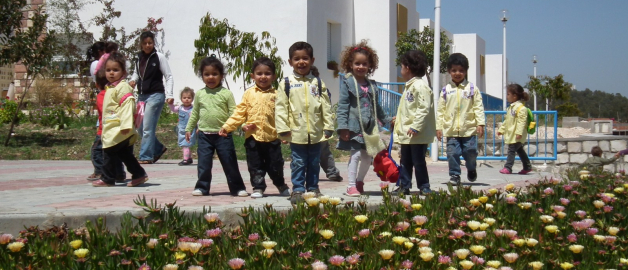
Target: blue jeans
{"x": 207, "y": 145}
{"x": 151, "y": 146}
{"x": 305, "y": 166}
{"x": 467, "y": 147}
{"x": 413, "y": 156}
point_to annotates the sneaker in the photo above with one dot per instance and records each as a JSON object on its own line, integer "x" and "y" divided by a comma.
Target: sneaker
{"x": 284, "y": 191}
{"x": 317, "y": 192}
{"x": 472, "y": 175}
{"x": 93, "y": 177}
{"x": 197, "y": 192}
{"x": 296, "y": 197}
{"x": 157, "y": 157}
{"x": 121, "y": 179}
{"x": 137, "y": 181}
{"x": 243, "y": 193}
{"x": 454, "y": 180}
{"x": 524, "y": 171}
{"x": 335, "y": 177}
{"x": 101, "y": 183}
{"x": 505, "y": 171}
{"x": 426, "y": 190}
{"x": 360, "y": 186}
{"x": 352, "y": 192}
{"x": 400, "y": 191}
{"x": 185, "y": 162}
{"x": 257, "y": 193}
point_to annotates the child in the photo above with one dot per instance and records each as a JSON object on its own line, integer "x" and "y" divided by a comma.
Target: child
{"x": 359, "y": 112}
{"x": 460, "y": 118}
{"x": 415, "y": 125}
{"x": 212, "y": 107}
{"x": 184, "y": 110}
{"x": 597, "y": 162}
{"x": 328, "y": 164}
{"x": 514, "y": 128}
{"x": 303, "y": 117}
{"x": 118, "y": 131}
{"x": 263, "y": 149}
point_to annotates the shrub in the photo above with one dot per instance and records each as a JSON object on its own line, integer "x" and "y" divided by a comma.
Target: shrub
{"x": 7, "y": 111}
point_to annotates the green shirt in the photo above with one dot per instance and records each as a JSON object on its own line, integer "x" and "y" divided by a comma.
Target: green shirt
{"x": 595, "y": 163}
{"x": 212, "y": 108}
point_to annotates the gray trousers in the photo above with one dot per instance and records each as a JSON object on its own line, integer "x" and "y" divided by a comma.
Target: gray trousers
{"x": 327, "y": 160}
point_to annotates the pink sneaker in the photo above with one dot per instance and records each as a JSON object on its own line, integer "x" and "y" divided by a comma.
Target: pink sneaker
{"x": 505, "y": 171}
{"x": 360, "y": 186}
{"x": 524, "y": 171}
{"x": 352, "y": 192}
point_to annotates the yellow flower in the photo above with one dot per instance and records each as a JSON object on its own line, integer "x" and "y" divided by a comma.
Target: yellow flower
{"x": 386, "y": 254}
{"x": 15, "y": 246}
{"x": 399, "y": 240}
{"x": 462, "y": 253}
{"x": 509, "y": 187}
{"x": 327, "y": 234}
{"x": 531, "y": 242}
{"x": 425, "y": 250}
{"x": 610, "y": 195}
{"x": 492, "y": 191}
{"x": 427, "y": 256}
{"x": 466, "y": 264}
{"x": 76, "y": 244}
{"x": 566, "y": 265}
{"x": 613, "y": 230}
{"x": 312, "y": 202}
{"x": 536, "y": 265}
{"x": 474, "y": 225}
{"x": 416, "y": 206}
{"x": 512, "y": 195}
{"x": 489, "y": 220}
{"x": 81, "y": 253}
{"x": 483, "y": 199}
{"x": 488, "y": 206}
{"x": 525, "y": 205}
{"x": 576, "y": 248}
{"x": 546, "y": 218}
{"x": 475, "y": 202}
{"x": 519, "y": 242}
{"x": 494, "y": 264}
{"x": 271, "y": 244}
{"x": 599, "y": 238}
{"x": 424, "y": 243}
{"x": 561, "y": 215}
{"x": 267, "y": 252}
{"x": 308, "y": 195}
{"x": 598, "y": 204}
{"x": 184, "y": 246}
{"x": 551, "y": 228}
{"x": 625, "y": 185}
{"x": 386, "y": 234}
{"x": 335, "y": 200}
{"x": 619, "y": 190}
{"x": 511, "y": 257}
{"x": 179, "y": 256}
{"x": 195, "y": 247}
{"x": 361, "y": 218}
{"x": 484, "y": 226}
{"x": 408, "y": 245}
{"x": 171, "y": 267}
{"x": 477, "y": 249}
{"x": 324, "y": 198}
{"x": 622, "y": 260}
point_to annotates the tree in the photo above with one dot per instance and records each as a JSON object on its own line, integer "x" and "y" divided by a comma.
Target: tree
{"x": 65, "y": 20}
{"x": 236, "y": 48}
{"x": 424, "y": 41}
{"x": 33, "y": 46}
{"x": 553, "y": 89}
{"x": 568, "y": 109}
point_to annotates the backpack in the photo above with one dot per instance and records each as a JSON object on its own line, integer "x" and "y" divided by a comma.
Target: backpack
{"x": 445, "y": 91}
{"x": 385, "y": 166}
{"x": 531, "y": 124}
{"x": 320, "y": 87}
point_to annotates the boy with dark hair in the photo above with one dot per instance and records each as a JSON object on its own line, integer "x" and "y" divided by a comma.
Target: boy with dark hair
{"x": 597, "y": 162}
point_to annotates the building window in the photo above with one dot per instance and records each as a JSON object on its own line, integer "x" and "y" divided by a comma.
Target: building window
{"x": 333, "y": 41}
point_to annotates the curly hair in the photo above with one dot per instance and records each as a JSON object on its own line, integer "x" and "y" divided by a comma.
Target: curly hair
{"x": 348, "y": 54}
{"x": 415, "y": 61}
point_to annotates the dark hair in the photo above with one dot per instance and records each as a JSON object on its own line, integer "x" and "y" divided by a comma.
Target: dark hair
{"x": 347, "y": 55}
{"x": 266, "y": 62}
{"x": 302, "y": 45}
{"x": 101, "y": 79}
{"x": 186, "y": 90}
{"x": 147, "y": 34}
{"x": 119, "y": 58}
{"x": 518, "y": 91}
{"x": 596, "y": 151}
{"x": 416, "y": 61}
{"x": 111, "y": 47}
{"x": 211, "y": 61}
{"x": 458, "y": 59}
{"x": 95, "y": 50}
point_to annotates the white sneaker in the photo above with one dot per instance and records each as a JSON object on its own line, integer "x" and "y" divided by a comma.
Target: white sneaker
{"x": 257, "y": 193}
{"x": 243, "y": 193}
{"x": 197, "y": 192}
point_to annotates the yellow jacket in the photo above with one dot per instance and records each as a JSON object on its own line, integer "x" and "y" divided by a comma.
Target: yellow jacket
{"x": 459, "y": 114}
{"x": 416, "y": 111}
{"x": 515, "y": 123}
{"x": 305, "y": 113}
{"x": 118, "y": 108}
{"x": 257, "y": 107}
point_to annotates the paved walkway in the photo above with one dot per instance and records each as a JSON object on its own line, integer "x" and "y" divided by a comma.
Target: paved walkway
{"x": 49, "y": 193}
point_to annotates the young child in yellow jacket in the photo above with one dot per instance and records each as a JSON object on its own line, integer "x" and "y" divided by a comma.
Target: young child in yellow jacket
{"x": 415, "y": 125}
{"x": 514, "y": 129}
{"x": 263, "y": 148}
{"x": 303, "y": 117}
{"x": 460, "y": 118}
{"x": 118, "y": 130}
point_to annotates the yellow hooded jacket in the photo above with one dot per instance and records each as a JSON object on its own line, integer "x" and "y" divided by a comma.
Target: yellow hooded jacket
{"x": 416, "y": 111}
{"x": 257, "y": 107}
{"x": 306, "y": 113}
{"x": 118, "y": 108}
{"x": 459, "y": 114}
{"x": 515, "y": 124}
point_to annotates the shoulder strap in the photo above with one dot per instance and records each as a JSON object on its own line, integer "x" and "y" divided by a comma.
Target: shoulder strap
{"x": 471, "y": 94}
{"x": 320, "y": 86}
{"x": 287, "y": 87}
{"x": 445, "y": 92}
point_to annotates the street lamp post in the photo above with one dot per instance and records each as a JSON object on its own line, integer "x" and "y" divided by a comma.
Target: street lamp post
{"x": 436, "y": 70}
{"x": 534, "y": 61}
{"x": 504, "y": 19}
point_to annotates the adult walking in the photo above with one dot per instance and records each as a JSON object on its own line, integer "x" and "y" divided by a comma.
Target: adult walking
{"x": 150, "y": 69}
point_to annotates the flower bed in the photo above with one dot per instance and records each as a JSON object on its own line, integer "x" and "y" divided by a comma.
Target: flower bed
{"x": 578, "y": 223}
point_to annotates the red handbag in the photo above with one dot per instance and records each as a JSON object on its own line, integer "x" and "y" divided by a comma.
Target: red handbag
{"x": 385, "y": 166}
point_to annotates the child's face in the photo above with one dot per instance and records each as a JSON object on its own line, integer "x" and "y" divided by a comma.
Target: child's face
{"x": 263, "y": 76}
{"x": 457, "y": 73}
{"x": 511, "y": 97}
{"x": 360, "y": 65}
{"x": 406, "y": 74}
{"x": 187, "y": 99}
{"x": 113, "y": 71}
{"x": 148, "y": 44}
{"x": 211, "y": 76}
{"x": 301, "y": 62}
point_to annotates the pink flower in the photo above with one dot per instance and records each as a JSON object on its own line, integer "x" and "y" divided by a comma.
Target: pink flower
{"x": 477, "y": 260}
{"x": 574, "y": 183}
{"x": 213, "y": 232}
{"x": 212, "y": 217}
{"x": 572, "y": 238}
{"x": 236, "y": 263}
{"x": 383, "y": 185}
{"x": 353, "y": 259}
{"x": 407, "y": 264}
{"x": 405, "y": 203}
{"x": 607, "y": 208}
{"x": 479, "y": 235}
{"x": 589, "y": 222}
{"x": 205, "y": 242}
{"x": 510, "y": 233}
{"x": 163, "y": 236}
{"x": 558, "y": 208}
{"x": 511, "y": 200}
{"x": 318, "y": 265}
{"x": 498, "y": 232}
{"x": 423, "y": 232}
{"x": 610, "y": 239}
{"x": 579, "y": 225}
{"x": 457, "y": 233}
{"x": 606, "y": 199}
{"x": 444, "y": 259}
{"x": 567, "y": 187}
{"x": 5, "y": 238}
{"x": 581, "y": 214}
{"x": 592, "y": 231}
{"x": 253, "y": 237}
{"x": 548, "y": 191}
{"x": 402, "y": 226}
{"x": 419, "y": 220}
{"x": 305, "y": 255}
{"x": 144, "y": 267}
{"x": 505, "y": 268}
{"x": 364, "y": 233}
{"x": 336, "y": 260}
{"x": 564, "y": 201}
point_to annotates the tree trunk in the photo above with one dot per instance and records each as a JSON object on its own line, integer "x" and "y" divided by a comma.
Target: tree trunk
{"x": 19, "y": 105}
{"x": 429, "y": 79}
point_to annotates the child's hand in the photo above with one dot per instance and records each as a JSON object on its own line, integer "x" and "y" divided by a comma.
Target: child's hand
{"x": 132, "y": 84}
{"x": 249, "y": 127}
{"x": 344, "y": 134}
{"x": 223, "y": 132}
{"x": 439, "y": 135}
{"x": 125, "y": 131}
{"x": 499, "y": 133}
{"x": 480, "y": 131}
{"x": 170, "y": 101}
{"x": 392, "y": 122}
{"x": 617, "y": 155}
{"x": 187, "y": 136}
{"x": 411, "y": 132}
{"x": 284, "y": 142}
{"x": 519, "y": 137}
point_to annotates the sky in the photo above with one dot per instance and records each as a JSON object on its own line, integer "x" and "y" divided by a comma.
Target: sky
{"x": 583, "y": 40}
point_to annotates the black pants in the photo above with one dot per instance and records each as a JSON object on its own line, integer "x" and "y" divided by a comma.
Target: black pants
{"x": 98, "y": 160}
{"x": 413, "y": 156}
{"x": 262, "y": 158}
{"x": 517, "y": 149}
{"x": 112, "y": 156}
{"x": 207, "y": 145}
{"x": 328, "y": 164}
